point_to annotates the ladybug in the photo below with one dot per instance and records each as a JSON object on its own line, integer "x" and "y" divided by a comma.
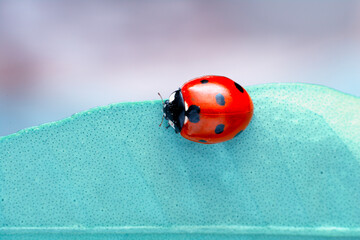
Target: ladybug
{"x": 209, "y": 109}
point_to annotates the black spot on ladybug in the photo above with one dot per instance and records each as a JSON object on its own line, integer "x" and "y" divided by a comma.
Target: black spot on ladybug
{"x": 203, "y": 141}
{"x": 220, "y": 99}
{"x": 240, "y": 88}
{"x": 238, "y": 133}
{"x": 219, "y": 128}
{"x": 193, "y": 113}
{"x": 204, "y": 81}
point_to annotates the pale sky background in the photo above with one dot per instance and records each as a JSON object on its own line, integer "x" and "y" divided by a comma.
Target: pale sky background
{"x": 62, "y": 57}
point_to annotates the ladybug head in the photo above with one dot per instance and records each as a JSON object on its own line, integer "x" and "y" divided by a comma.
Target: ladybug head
{"x": 174, "y": 110}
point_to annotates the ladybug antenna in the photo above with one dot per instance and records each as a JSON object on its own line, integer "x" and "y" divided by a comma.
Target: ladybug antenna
{"x": 163, "y": 105}
{"x": 161, "y": 98}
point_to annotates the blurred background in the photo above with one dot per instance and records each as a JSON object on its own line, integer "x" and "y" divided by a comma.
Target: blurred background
{"x": 62, "y": 57}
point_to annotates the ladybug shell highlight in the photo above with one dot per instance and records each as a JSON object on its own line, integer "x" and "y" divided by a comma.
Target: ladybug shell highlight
{"x": 209, "y": 109}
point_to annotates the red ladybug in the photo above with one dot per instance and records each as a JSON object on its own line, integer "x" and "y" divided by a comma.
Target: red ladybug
{"x": 209, "y": 109}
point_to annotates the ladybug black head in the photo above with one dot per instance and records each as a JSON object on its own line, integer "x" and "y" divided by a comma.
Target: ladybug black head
{"x": 174, "y": 110}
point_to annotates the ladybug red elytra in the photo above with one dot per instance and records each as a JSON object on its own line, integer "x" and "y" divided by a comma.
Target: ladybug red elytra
{"x": 209, "y": 109}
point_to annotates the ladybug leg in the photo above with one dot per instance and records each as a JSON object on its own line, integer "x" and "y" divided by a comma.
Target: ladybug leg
{"x": 167, "y": 126}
